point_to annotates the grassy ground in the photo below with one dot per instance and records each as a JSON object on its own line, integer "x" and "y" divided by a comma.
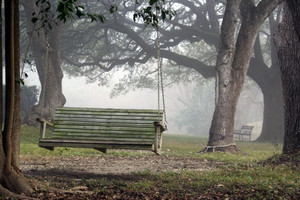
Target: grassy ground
{"x": 238, "y": 177}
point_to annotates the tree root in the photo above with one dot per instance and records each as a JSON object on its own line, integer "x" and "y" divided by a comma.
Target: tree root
{"x": 17, "y": 183}
{"x": 41, "y": 186}
{"x": 231, "y": 148}
{"x": 6, "y": 193}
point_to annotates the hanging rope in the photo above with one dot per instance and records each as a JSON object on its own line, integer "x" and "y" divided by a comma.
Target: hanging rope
{"x": 46, "y": 78}
{"x": 29, "y": 43}
{"x": 160, "y": 85}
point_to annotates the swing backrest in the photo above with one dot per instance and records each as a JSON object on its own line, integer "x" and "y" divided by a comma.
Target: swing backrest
{"x": 115, "y": 126}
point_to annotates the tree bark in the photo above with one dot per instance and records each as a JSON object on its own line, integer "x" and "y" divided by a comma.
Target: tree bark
{"x": 48, "y": 67}
{"x": 294, "y": 7}
{"x": 16, "y": 132}
{"x": 11, "y": 178}
{"x": 10, "y": 84}
{"x": 223, "y": 118}
{"x": 289, "y": 59}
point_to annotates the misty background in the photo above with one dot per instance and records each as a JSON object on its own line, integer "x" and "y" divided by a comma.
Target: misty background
{"x": 189, "y": 96}
{"x": 189, "y": 107}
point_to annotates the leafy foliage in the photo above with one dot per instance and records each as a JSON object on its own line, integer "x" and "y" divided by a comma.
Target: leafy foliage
{"x": 153, "y": 12}
{"x": 66, "y": 10}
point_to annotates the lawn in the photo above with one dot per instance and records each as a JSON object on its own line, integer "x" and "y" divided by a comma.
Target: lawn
{"x": 240, "y": 176}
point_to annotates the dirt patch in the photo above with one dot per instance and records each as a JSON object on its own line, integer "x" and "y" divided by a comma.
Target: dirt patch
{"x": 110, "y": 164}
{"x": 106, "y": 176}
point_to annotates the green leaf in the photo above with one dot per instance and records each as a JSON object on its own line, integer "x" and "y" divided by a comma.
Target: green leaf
{"x": 34, "y": 19}
{"x": 101, "y": 18}
{"x": 92, "y": 17}
{"x": 151, "y": 2}
{"x": 79, "y": 13}
{"x": 113, "y": 9}
{"x": 20, "y": 81}
{"x": 163, "y": 15}
{"x": 135, "y": 15}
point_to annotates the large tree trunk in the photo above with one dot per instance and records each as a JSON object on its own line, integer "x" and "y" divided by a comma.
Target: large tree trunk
{"x": 226, "y": 99}
{"x": 11, "y": 179}
{"x": 294, "y": 7}
{"x": 268, "y": 78}
{"x": 48, "y": 67}
{"x": 270, "y": 83}
{"x": 272, "y": 129}
{"x": 16, "y": 134}
{"x": 232, "y": 65}
{"x": 289, "y": 59}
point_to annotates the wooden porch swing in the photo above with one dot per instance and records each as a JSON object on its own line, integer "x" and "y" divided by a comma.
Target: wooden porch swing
{"x": 106, "y": 128}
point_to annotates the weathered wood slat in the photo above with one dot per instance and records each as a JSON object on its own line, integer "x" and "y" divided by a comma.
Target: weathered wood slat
{"x": 106, "y": 128}
{"x": 108, "y": 123}
{"x": 99, "y": 136}
{"x": 106, "y": 114}
{"x": 110, "y": 110}
{"x": 109, "y": 139}
{"x": 57, "y": 141}
{"x": 49, "y": 144}
{"x": 104, "y": 119}
{"x": 99, "y": 114}
{"x": 104, "y": 131}
{"x": 116, "y": 134}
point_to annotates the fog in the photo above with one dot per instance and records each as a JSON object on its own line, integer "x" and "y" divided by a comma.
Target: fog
{"x": 88, "y": 51}
{"x": 79, "y": 93}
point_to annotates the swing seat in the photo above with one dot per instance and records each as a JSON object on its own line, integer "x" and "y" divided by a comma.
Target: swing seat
{"x": 104, "y": 129}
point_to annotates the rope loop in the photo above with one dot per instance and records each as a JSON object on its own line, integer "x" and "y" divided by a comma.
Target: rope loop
{"x": 219, "y": 146}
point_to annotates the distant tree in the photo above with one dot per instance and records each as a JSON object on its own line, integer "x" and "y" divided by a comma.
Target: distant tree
{"x": 29, "y": 95}
{"x": 29, "y": 98}
{"x": 197, "y": 109}
{"x": 46, "y": 60}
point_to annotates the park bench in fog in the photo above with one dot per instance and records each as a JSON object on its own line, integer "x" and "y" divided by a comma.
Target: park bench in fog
{"x": 244, "y": 134}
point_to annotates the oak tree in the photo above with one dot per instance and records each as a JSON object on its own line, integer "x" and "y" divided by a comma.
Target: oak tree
{"x": 232, "y": 64}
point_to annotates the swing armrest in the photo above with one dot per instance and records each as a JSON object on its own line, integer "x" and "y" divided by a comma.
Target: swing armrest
{"x": 43, "y": 126}
{"x": 161, "y": 125}
{"x": 41, "y": 120}
{"x": 159, "y": 128}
